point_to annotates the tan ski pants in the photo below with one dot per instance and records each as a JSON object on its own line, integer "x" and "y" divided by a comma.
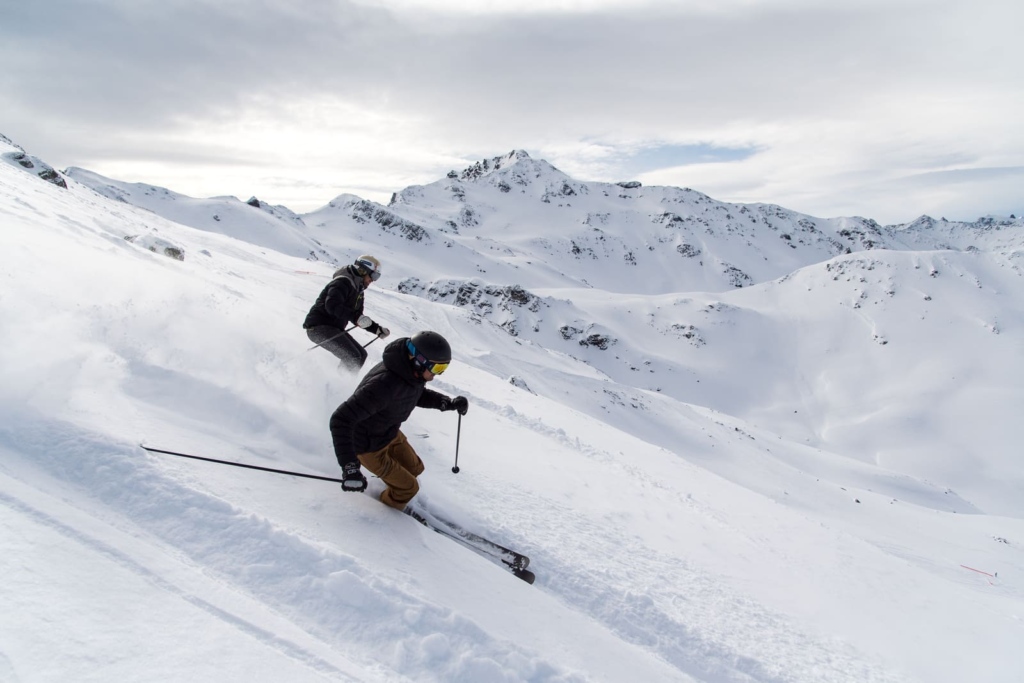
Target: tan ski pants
{"x": 398, "y": 466}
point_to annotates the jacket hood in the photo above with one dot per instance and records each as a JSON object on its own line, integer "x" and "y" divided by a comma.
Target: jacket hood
{"x": 349, "y": 271}
{"x": 396, "y": 359}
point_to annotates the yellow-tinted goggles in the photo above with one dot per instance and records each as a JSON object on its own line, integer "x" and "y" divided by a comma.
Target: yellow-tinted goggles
{"x": 436, "y": 368}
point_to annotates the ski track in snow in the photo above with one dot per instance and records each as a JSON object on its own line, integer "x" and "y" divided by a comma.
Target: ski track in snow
{"x": 328, "y": 593}
{"x": 335, "y": 599}
{"x": 73, "y": 535}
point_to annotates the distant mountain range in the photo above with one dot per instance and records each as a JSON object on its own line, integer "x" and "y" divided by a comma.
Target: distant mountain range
{"x": 513, "y": 212}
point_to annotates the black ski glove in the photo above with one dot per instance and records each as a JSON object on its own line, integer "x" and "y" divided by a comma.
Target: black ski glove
{"x": 378, "y": 329}
{"x": 459, "y": 403}
{"x": 353, "y": 479}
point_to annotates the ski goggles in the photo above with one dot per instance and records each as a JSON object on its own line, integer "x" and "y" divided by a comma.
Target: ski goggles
{"x": 370, "y": 270}
{"x": 422, "y": 363}
{"x": 435, "y": 368}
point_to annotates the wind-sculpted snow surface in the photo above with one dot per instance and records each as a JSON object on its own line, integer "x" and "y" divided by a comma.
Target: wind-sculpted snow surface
{"x": 812, "y": 477}
{"x": 655, "y": 599}
{"x": 335, "y": 598}
{"x": 331, "y": 595}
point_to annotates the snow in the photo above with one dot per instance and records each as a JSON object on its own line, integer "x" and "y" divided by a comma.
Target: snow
{"x": 813, "y": 477}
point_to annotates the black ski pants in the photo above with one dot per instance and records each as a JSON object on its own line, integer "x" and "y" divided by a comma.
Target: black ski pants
{"x": 340, "y": 343}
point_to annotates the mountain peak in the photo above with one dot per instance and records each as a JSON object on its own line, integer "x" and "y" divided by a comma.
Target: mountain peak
{"x": 488, "y": 166}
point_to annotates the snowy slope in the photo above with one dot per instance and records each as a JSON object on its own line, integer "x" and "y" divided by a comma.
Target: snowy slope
{"x": 802, "y": 479}
{"x": 268, "y": 226}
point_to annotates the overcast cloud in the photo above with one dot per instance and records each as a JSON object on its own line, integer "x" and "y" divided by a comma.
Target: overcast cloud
{"x": 881, "y": 109}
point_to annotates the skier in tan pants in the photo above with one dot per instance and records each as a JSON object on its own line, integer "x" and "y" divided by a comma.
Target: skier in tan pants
{"x": 365, "y": 428}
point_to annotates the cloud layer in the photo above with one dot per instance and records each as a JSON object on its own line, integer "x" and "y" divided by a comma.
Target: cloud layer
{"x": 887, "y": 110}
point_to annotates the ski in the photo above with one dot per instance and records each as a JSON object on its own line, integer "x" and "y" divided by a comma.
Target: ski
{"x": 515, "y": 562}
{"x": 507, "y": 555}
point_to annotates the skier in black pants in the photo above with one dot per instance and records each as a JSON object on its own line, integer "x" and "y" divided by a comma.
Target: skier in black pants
{"x": 365, "y": 428}
{"x": 341, "y": 303}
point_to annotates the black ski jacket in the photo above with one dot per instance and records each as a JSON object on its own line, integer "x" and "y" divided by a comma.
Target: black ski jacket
{"x": 340, "y": 302}
{"x": 384, "y": 399}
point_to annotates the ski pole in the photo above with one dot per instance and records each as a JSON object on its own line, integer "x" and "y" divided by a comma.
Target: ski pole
{"x": 458, "y": 436}
{"x": 239, "y": 464}
{"x": 331, "y": 338}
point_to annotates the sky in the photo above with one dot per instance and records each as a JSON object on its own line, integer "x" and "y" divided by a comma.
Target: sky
{"x": 887, "y": 110}
{"x": 813, "y": 478}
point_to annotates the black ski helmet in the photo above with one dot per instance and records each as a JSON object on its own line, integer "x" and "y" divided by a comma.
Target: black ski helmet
{"x": 430, "y": 346}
